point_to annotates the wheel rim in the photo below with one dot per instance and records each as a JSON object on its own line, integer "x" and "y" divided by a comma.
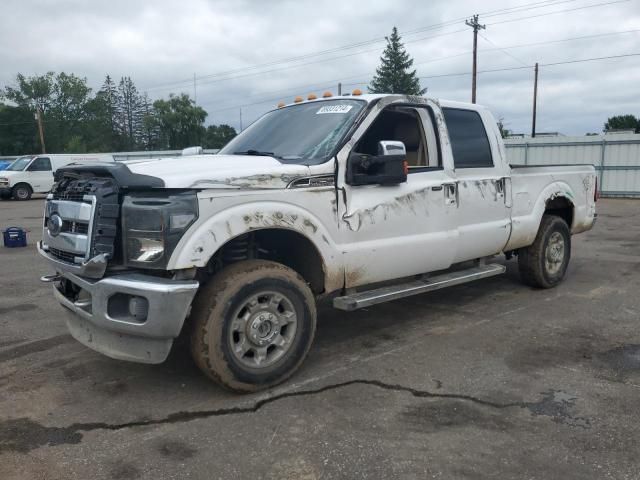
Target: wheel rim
{"x": 554, "y": 253}
{"x": 22, "y": 193}
{"x": 262, "y": 329}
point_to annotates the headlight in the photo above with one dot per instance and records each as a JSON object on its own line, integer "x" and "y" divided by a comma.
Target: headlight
{"x": 4, "y": 180}
{"x": 153, "y": 224}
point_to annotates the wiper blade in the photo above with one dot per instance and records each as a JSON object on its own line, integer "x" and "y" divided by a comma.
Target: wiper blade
{"x": 255, "y": 152}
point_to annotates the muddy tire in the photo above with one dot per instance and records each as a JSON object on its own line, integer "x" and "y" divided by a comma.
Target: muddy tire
{"x": 252, "y": 325}
{"x": 544, "y": 263}
{"x": 22, "y": 191}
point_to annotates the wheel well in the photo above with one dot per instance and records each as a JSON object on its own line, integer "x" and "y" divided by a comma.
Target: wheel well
{"x": 23, "y": 183}
{"x": 561, "y": 207}
{"x": 287, "y": 247}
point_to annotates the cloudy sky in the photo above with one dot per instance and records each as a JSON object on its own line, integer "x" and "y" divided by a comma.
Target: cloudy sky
{"x": 249, "y": 54}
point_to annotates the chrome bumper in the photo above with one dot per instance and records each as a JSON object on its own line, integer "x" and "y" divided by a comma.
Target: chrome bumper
{"x": 92, "y": 268}
{"x": 101, "y": 317}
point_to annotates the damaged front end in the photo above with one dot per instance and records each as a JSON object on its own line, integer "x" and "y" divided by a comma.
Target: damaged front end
{"x": 108, "y": 235}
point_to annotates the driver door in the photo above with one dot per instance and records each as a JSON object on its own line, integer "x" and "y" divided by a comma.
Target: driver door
{"x": 393, "y": 231}
{"x": 40, "y": 174}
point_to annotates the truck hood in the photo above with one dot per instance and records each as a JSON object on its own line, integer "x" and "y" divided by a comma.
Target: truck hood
{"x": 9, "y": 174}
{"x": 220, "y": 171}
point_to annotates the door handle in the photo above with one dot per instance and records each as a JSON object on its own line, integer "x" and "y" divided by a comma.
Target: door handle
{"x": 450, "y": 194}
{"x": 436, "y": 188}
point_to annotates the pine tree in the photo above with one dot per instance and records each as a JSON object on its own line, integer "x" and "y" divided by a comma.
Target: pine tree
{"x": 130, "y": 112}
{"x": 393, "y": 75}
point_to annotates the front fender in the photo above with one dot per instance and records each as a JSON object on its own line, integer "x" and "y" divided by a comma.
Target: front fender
{"x": 527, "y": 215}
{"x": 207, "y": 235}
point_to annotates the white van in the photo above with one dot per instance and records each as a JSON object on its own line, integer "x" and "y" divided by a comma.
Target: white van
{"x": 34, "y": 173}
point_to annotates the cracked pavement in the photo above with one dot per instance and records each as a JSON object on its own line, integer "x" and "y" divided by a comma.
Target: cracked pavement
{"x": 485, "y": 380}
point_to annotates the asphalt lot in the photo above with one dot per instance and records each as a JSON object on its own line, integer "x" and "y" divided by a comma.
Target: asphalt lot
{"x": 486, "y": 380}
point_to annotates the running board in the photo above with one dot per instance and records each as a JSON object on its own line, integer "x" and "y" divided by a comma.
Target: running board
{"x": 415, "y": 287}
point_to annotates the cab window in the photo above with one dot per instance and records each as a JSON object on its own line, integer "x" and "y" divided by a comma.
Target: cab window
{"x": 469, "y": 142}
{"x": 401, "y": 124}
{"x": 40, "y": 164}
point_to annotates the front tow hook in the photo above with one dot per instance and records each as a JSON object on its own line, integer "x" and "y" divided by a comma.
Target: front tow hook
{"x": 50, "y": 278}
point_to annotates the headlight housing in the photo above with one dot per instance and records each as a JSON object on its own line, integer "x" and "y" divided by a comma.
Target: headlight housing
{"x": 153, "y": 223}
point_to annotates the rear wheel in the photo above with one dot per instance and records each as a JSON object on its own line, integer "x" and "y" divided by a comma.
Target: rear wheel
{"x": 252, "y": 325}
{"x": 544, "y": 263}
{"x": 22, "y": 191}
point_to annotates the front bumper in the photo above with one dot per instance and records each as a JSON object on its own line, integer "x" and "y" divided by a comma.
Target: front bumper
{"x": 5, "y": 191}
{"x": 99, "y": 313}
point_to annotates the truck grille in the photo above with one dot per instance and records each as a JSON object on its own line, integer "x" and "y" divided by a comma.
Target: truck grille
{"x": 62, "y": 255}
{"x": 80, "y": 219}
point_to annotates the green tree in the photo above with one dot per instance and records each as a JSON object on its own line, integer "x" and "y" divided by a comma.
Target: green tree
{"x": 32, "y": 92}
{"x": 393, "y": 74}
{"x": 623, "y": 122}
{"x": 18, "y": 131}
{"x": 217, "y": 136}
{"x": 179, "y": 122}
{"x": 103, "y": 113}
{"x": 61, "y": 99}
{"x": 130, "y": 113}
{"x": 67, "y": 113}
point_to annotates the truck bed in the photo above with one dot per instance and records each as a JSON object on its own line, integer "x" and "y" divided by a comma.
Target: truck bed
{"x": 535, "y": 186}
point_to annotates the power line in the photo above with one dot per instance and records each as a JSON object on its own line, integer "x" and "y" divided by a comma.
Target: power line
{"x": 331, "y": 82}
{"x": 499, "y": 12}
{"x": 503, "y": 50}
{"x": 526, "y": 67}
{"x": 557, "y": 11}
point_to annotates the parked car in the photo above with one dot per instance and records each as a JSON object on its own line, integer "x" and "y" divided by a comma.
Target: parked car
{"x": 331, "y": 197}
{"x": 34, "y": 173}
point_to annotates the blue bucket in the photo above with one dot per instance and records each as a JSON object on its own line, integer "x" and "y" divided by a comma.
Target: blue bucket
{"x": 15, "y": 237}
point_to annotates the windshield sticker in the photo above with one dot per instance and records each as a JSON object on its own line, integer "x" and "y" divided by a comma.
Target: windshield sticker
{"x": 334, "y": 109}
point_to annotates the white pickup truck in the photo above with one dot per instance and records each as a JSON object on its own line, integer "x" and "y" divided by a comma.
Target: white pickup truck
{"x": 364, "y": 198}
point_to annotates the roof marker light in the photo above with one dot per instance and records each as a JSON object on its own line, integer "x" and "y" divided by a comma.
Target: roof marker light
{"x": 312, "y": 96}
{"x": 281, "y": 104}
{"x": 298, "y": 99}
{"x": 327, "y": 95}
{"x": 357, "y": 91}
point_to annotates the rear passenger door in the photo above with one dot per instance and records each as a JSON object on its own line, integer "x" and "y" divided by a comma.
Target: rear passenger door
{"x": 484, "y": 223}
{"x": 40, "y": 174}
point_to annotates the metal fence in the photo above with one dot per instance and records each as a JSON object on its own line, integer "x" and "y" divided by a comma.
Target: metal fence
{"x": 616, "y": 158}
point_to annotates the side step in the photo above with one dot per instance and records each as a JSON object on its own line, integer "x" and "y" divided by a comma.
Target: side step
{"x": 415, "y": 287}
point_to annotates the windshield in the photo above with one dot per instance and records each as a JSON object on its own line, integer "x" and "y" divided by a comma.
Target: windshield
{"x": 19, "y": 165}
{"x": 303, "y": 133}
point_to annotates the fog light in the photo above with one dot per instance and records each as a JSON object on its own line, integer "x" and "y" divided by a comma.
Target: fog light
{"x": 128, "y": 308}
{"x": 139, "y": 308}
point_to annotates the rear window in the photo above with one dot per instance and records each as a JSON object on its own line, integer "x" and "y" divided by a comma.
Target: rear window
{"x": 469, "y": 141}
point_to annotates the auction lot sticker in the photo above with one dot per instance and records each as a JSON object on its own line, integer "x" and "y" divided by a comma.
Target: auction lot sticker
{"x": 334, "y": 109}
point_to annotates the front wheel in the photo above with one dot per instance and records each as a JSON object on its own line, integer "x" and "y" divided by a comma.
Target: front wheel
{"x": 22, "y": 191}
{"x": 252, "y": 325}
{"x": 544, "y": 263}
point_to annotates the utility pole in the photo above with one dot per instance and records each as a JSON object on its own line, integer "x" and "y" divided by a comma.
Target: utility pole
{"x": 240, "y": 118}
{"x": 476, "y": 26}
{"x": 535, "y": 101}
{"x": 40, "y": 127}
{"x": 195, "y": 92}
{"x": 339, "y": 89}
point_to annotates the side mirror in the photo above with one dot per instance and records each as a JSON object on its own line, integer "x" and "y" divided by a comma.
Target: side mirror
{"x": 389, "y": 167}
